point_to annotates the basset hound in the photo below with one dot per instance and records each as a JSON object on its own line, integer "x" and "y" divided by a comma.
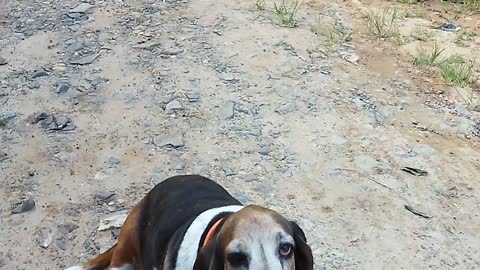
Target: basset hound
{"x": 190, "y": 222}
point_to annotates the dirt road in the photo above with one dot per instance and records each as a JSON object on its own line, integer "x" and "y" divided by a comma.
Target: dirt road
{"x": 133, "y": 91}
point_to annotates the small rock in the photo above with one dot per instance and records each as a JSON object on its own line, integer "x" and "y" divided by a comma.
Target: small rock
{"x": 3, "y": 61}
{"x": 37, "y": 117}
{"x": 67, "y": 227}
{"x": 45, "y": 237}
{"x": 286, "y": 108}
{"x": 61, "y": 244}
{"x": 173, "y": 105}
{"x": 104, "y": 197}
{"x": 112, "y": 221}
{"x": 173, "y": 139}
{"x": 113, "y": 161}
{"x": 5, "y": 118}
{"x": 25, "y": 206}
{"x": 39, "y": 73}
{"x": 250, "y": 178}
{"x": 3, "y": 155}
{"x": 193, "y": 97}
{"x": 62, "y": 88}
{"x": 229, "y": 171}
{"x": 76, "y": 46}
{"x": 264, "y": 151}
{"x": 227, "y": 111}
{"x": 179, "y": 166}
{"x": 85, "y": 60}
{"x": 66, "y": 157}
{"x": 82, "y": 8}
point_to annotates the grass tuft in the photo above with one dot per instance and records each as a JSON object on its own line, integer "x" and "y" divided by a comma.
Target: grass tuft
{"x": 456, "y": 71}
{"x": 286, "y": 13}
{"x": 382, "y": 24}
{"x": 260, "y": 4}
{"x": 425, "y": 58}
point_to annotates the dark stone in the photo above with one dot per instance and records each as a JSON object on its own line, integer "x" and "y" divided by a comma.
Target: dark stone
{"x": 37, "y": 117}
{"x": 85, "y": 60}
{"x": 3, "y": 61}
{"x": 62, "y": 88}
{"x": 39, "y": 73}
{"x": 25, "y": 206}
{"x": 6, "y": 118}
{"x": 67, "y": 227}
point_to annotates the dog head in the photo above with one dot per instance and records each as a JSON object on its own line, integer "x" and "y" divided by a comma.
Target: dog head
{"x": 256, "y": 238}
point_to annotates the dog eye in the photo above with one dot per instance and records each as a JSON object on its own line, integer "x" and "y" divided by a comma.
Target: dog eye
{"x": 285, "y": 249}
{"x": 237, "y": 259}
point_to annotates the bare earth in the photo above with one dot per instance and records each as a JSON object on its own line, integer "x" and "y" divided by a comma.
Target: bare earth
{"x": 219, "y": 88}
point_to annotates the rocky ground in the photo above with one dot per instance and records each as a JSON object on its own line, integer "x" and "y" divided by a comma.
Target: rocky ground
{"x": 101, "y": 100}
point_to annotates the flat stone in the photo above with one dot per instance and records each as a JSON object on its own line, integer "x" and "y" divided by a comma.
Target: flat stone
{"x": 7, "y": 117}
{"x": 45, "y": 237}
{"x": 24, "y": 206}
{"x": 227, "y": 111}
{"x": 113, "y": 221}
{"x": 3, "y": 61}
{"x": 85, "y": 60}
{"x": 180, "y": 166}
{"x": 81, "y": 8}
{"x": 174, "y": 105}
{"x": 67, "y": 227}
{"x": 62, "y": 88}
{"x": 66, "y": 157}
{"x": 250, "y": 178}
{"x": 193, "y": 97}
{"x": 173, "y": 139}
{"x": 39, "y": 73}
{"x": 76, "y": 46}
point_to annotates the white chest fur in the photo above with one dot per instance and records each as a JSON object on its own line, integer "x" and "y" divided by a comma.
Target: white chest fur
{"x": 189, "y": 247}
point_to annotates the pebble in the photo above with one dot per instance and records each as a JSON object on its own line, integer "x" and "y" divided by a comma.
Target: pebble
{"x": 112, "y": 221}
{"x": 76, "y": 46}
{"x": 24, "y": 206}
{"x": 62, "y": 88}
{"x": 179, "y": 166}
{"x": 173, "y": 105}
{"x": 104, "y": 197}
{"x": 81, "y": 8}
{"x": 7, "y": 117}
{"x": 3, "y": 61}
{"x": 39, "y": 73}
{"x": 193, "y": 97}
{"x": 67, "y": 227}
{"x": 250, "y": 178}
{"x": 174, "y": 139}
{"x": 66, "y": 157}
{"x": 229, "y": 171}
{"x": 85, "y": 60}
{"x": 45, "y": 237}
{"x": 264, "y": 151}
{"x": 227, "y": 111}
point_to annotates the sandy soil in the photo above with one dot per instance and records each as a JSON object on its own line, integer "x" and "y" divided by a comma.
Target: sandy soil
{"x": 142, "y": 90}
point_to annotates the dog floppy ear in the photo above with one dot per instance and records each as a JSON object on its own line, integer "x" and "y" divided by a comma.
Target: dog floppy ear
{"x": 303, "y": 253}
{"x": 209, "y": 257}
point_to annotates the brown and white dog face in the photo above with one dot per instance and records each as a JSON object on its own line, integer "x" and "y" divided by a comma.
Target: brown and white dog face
{"x": 257, "y": 238}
